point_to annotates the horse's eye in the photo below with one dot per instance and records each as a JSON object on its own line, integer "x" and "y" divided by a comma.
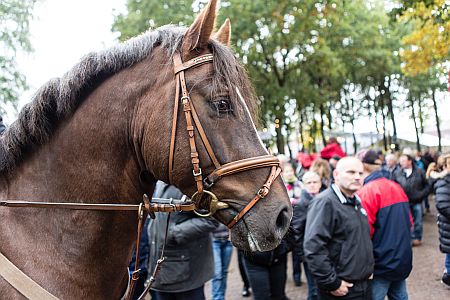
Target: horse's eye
{"x": 222, "y": 105}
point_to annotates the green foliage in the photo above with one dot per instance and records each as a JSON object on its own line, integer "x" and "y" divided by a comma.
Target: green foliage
{"x": 307, "y": 58}
{"x": 14, "y": 24}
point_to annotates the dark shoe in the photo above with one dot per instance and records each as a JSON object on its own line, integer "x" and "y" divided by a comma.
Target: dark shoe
{"x": 298, "y": 283}
{"x": 246, "y": 292}
{"x": 416, "y": 243}
{"x": 446, "y": 279}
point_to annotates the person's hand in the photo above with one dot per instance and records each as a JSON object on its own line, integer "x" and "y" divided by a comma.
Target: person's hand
{"x": 343, "y": 289}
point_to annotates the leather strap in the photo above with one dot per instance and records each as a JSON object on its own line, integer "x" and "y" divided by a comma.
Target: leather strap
{"x": 203, "y": 137}
{"x": 241, "y": 166}
{"x": 263, "y": 191}
{"x": 135, "y": 275}
{"x": 158, "y": 263}
{"x": 197, "y": 61}
{"x": 174, "y": 128}
{"x": 186, "y": 102}
{"x": 21, "y": 282}
{"x": 151, "y": 207}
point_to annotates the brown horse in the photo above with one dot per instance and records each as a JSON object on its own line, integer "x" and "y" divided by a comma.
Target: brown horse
{"x": 87, "y": 136}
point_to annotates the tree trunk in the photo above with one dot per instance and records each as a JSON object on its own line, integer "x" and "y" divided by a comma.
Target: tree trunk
{"x": 352, "y": 122}
{"x": 288, "y": 137}
{"x": 383, "y": 116}
{"x": 329, "y": 117}
{"x": 280, "y": 137}
{"x": 390, "y": 107}
{"x": 394, "y": 126}
{"x": 436, "y": 115}
{"x": 420, "y": 114}
{"x": 355, "y": 145}
{"x": 312, "y": 134}
{"x": 322, "y": 132}
{"x": 415, "y": 125}
{"x": 300, "y": 128}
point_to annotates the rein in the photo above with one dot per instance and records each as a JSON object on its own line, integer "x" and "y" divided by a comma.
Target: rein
{"x": 29, "y": 287}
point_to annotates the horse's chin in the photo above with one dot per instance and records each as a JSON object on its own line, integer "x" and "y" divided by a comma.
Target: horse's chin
{"x": 243, "y": 238}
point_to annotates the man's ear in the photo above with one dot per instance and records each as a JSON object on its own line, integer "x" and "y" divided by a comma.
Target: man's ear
{"x": 199, "y": 33}
{"x": 223, "y": 35}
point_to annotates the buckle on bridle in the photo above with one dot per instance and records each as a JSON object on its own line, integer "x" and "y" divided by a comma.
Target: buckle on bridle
{"x": 197, "y": 174}
{"x": 262, "y": 192}
{"x": 207, "y": 184}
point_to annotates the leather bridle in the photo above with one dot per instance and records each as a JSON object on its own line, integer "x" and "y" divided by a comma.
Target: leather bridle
{"x": 204, "y": 183}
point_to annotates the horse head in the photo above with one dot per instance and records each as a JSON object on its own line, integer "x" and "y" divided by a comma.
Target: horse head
{"x": 220, "y": 93}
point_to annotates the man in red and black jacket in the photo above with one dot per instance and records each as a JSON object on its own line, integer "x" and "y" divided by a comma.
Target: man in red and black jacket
{"x": 390, "y": 223}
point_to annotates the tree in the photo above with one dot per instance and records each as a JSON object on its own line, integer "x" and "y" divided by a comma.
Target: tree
{"x": 320, "y": 63}
{"x": 428, "y": 45}
{"x": 14, "y": 23}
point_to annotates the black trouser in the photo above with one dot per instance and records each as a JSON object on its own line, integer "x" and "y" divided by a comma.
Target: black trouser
{"x": 361, "y": 290}
{"x": 140, "y": 285}
{"x": 267, "y": 281}
{"x": 296, "y": 267}
{"x": 195, "y": 294}
{"x": 242, "y": 270}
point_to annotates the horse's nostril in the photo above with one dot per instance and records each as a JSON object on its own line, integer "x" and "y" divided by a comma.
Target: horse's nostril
{"x": 283, "y": 219}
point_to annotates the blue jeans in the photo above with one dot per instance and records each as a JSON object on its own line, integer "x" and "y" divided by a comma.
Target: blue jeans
{"x": 222, "y": 256}
{"x": 416, "y": 211}
{"x": 394, "y": 290}
{"x": 447, "y": 263}
{"x": 312, "y": 287}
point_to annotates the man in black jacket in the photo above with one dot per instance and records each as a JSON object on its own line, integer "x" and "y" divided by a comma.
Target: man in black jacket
{"x": 415, "y": 185}
{"x": 337, "y": 243}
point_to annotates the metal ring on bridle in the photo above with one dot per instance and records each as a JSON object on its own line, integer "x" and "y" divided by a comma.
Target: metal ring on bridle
{"x": 214, "y": 205}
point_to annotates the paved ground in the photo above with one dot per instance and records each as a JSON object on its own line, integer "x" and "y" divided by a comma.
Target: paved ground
{"x": 423, "y": 283}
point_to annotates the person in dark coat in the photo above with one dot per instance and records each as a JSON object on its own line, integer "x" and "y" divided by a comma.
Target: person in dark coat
{"x": 266, "y": 270}
{"x": 338, "y": 248}
{"x": 442, "y": 192}
{"x": 189, "y": 261}
{"x": 391, "y": 165}
{"x": 312, "y": 183}
{"x": 390, "y": 222}
{"x": 416, "y": 187}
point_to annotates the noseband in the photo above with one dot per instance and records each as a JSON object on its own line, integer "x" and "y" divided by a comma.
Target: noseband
{"x": 192, "y": 122}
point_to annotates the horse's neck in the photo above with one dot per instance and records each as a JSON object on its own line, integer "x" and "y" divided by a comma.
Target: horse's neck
{"x": 88, "y": 159}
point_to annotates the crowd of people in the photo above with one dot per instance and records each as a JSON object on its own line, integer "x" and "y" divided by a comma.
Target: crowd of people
{"x": 355, "y": 221}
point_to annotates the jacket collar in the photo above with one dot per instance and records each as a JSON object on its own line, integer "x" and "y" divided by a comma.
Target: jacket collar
{"x": 374, "y": 175}
{"x": 341, "y": 196}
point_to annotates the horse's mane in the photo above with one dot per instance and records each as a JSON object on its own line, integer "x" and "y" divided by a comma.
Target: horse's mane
{"x": 60, "y": 97}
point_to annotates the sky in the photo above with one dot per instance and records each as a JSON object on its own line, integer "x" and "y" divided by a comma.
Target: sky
{"x": 62, "y": 32}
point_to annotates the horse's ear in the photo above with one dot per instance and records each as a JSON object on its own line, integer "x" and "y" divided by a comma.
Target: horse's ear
{"x": 199, "y": 33}
{"x": 224, "y": 33}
